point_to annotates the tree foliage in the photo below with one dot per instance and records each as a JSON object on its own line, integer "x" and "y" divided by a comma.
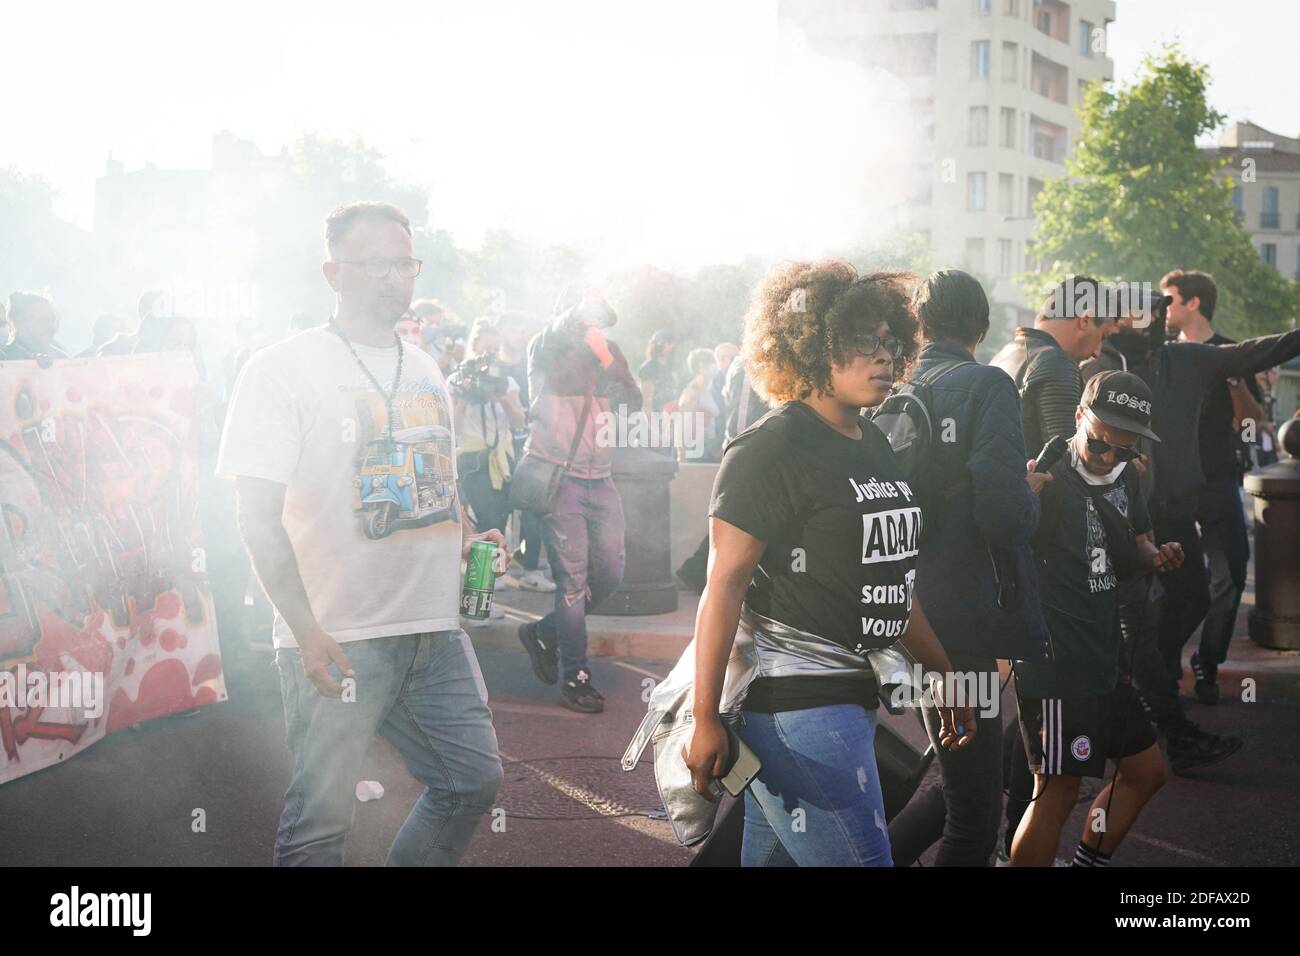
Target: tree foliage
{"x": 1139, "y": 199}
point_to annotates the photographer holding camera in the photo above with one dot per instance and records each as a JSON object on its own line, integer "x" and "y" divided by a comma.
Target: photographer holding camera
{"x": 575, "y": 376}
{"x": 487, "y": 411}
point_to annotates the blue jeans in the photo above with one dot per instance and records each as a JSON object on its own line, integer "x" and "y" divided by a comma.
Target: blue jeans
{"x": 425, "y": 694}
{"x": 584, "y": 543}
{"x": 817, "y": 801}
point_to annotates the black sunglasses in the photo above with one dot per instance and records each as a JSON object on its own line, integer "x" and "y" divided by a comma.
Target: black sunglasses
{"x": 1099, "y": 446}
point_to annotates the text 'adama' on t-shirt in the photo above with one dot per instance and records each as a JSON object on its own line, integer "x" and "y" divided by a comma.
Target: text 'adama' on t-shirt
{"x": 840, "y": 523}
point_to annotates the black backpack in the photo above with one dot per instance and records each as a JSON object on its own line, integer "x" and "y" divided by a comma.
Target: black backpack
{"x": 905, "y": 420}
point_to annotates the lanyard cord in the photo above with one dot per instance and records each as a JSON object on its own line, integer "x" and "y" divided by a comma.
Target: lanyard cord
{"x": 387, "y": 396}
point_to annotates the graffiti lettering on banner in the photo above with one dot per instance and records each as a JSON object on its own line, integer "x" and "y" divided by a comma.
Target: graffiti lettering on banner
{"x": 106, "y": 618}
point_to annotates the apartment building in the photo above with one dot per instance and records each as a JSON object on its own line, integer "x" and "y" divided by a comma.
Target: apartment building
{"x": 1265, "y": 171}
{"x": 993, "y": 86}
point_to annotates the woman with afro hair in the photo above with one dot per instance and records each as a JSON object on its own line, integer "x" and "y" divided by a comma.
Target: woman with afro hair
{"x": 813, "y": 543}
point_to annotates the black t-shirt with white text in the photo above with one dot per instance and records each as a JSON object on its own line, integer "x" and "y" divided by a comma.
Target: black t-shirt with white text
{"x": 841, "y": 528}
{"x": 1078, "y": 584}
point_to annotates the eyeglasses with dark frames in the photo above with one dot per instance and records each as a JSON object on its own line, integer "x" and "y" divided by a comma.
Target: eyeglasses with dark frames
{"x": 378, "y": 267}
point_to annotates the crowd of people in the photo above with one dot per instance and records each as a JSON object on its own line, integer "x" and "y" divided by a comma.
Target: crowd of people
{"x": 1080, "y": 582}
{"x": 1079, "y": 579}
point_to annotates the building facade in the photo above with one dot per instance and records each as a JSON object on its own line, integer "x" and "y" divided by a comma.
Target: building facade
{"x": 1264, "y": 168}
{"x": 993, "y": 85}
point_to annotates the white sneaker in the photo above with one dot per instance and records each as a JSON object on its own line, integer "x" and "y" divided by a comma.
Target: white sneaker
{"x": 507, "y": 582}
{"x": 536, "y": 581}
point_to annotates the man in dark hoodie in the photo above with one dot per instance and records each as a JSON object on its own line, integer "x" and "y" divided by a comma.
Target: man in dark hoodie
{"x": 977, "y": 538}
{"x": 572, "y": 366}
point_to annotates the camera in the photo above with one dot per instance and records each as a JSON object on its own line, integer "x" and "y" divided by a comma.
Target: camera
{"x": 478, "y": 379}
{"x": 1149, "y": 328}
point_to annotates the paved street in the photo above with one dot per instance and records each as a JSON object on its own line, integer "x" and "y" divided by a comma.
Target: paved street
{"x": 130, "y": 799}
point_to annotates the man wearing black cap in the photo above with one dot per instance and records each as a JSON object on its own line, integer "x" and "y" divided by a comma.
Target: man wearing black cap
{"x": 1076, "y": 712}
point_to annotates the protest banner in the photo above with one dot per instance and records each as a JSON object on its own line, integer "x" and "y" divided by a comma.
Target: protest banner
{"x": 106, "y": 617}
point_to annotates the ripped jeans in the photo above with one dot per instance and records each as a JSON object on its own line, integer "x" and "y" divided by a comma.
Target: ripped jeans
{"x": 816, "y": 801}
{"x": 584, "y": 543}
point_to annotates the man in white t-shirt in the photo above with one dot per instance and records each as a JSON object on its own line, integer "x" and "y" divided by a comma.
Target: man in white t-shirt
{"x": 340, "y": 441}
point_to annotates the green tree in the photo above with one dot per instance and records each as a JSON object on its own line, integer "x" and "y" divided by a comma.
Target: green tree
{"x": 1139, "y": 198}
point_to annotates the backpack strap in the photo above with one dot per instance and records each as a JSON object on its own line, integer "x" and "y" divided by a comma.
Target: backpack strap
{"x": 933, "y": 375}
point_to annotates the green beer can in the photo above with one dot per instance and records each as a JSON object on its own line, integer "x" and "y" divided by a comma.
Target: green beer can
{"x": 480, "y": 579}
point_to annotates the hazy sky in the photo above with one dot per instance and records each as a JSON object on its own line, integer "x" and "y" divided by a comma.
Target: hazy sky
{"x": 627, "y": 122}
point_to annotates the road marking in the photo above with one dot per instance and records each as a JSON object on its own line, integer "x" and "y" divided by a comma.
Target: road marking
{"x": 518, "y": 615}
{"x": 534, "y": 710}
{"x": 1190, "y": 854}
{"x": 656, "y": 829}
{"x": 639, "y": 670}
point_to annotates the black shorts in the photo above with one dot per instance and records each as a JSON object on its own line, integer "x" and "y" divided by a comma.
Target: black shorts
{"x": 1074, "y": 736}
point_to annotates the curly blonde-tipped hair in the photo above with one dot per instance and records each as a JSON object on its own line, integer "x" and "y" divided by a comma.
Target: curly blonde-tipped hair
{"x": 808, "y": 316}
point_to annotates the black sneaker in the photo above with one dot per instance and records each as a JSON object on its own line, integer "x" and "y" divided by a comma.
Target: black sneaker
{"x": 579, "y": 695}
{"x": 541, "y": 653}
{"x": 1207, "y": 681}
{"x": 1191, "y": 748}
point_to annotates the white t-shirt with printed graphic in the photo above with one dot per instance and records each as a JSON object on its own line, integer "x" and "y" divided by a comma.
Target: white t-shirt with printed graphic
{"x": 375, "y": 525}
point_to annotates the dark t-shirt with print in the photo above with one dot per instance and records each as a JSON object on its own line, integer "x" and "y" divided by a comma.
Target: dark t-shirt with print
{"x": 1078, "y": 584}
{"x": 841, "y": 531}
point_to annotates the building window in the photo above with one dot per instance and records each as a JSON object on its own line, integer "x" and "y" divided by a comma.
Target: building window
{"x": 1004, "y": 257}
{"x": 975, "y": 255}
{"x": 1269, "y": 251}
{"x": 1010, "y": 62}
{"x": 1011, "y": 7}
{"x": 1007, "y": 137}
{"x": 1052, "y": 17}
{"x": 1006, "y": 195}
{"x": 1085, "y": 38}
{"x": 1049, "y": 79}
{"x": 1047, "y": 140}
{"x": 983, "y": 6}
{"x": 979, "y": 60}
{"x": 976, "y": 192}
{"x": 1032, "y": 188}
{"x": 1269, "y": 217}
{"x": 979, "y": 126}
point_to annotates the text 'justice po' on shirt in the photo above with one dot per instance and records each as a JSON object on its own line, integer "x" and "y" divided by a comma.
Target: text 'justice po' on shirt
{"x": 840, "y": 523}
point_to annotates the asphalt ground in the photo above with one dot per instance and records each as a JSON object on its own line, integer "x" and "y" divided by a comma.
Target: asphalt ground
{"x": 132, "y": 799}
